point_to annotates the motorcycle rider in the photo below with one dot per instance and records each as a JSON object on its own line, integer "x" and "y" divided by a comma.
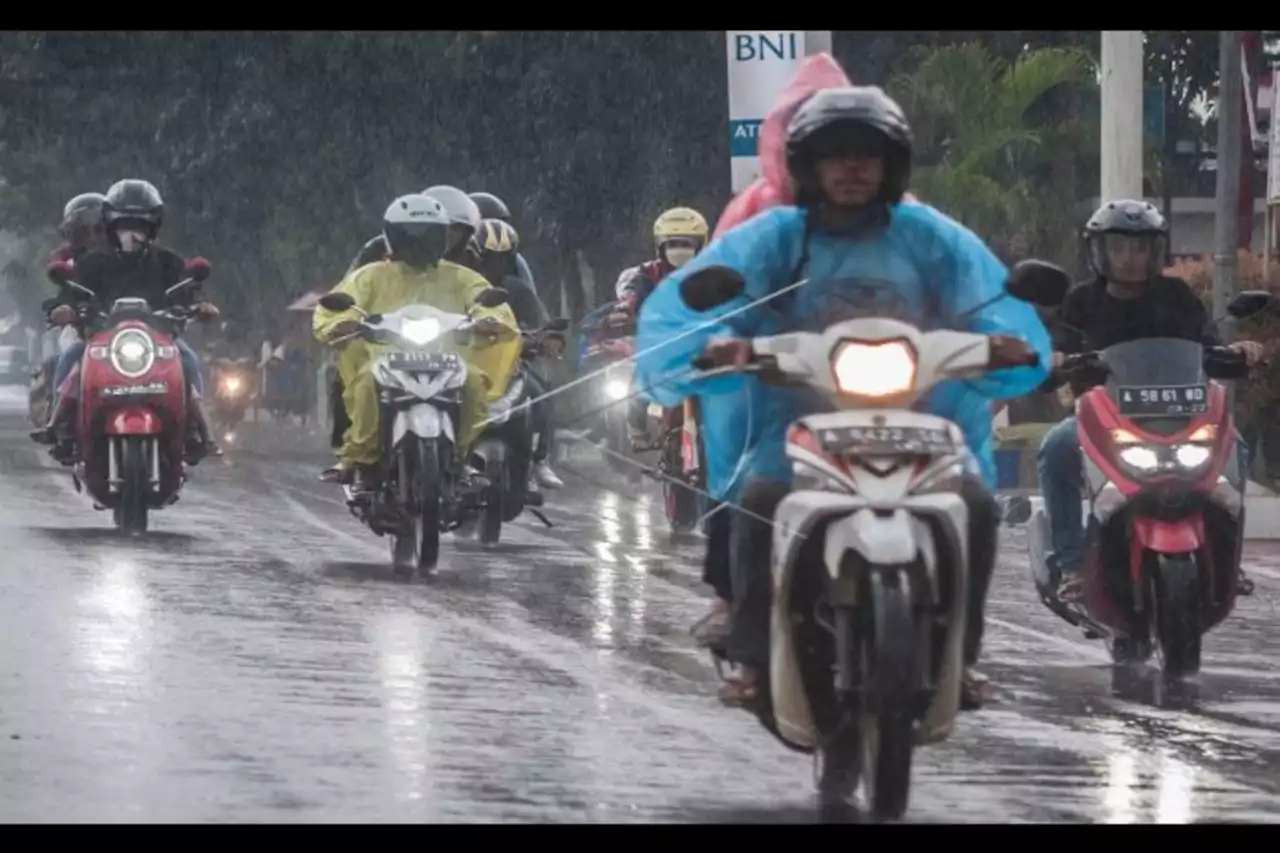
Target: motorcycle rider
{"x": 415, "y": 228}
{"x": 678, "y": 235}
{"x": 1128, "y": 299}
{"x": 81, "y": 229}
{"x": 464, "y": 221}
{"x": 492, "y": 207}
{"x": 863, "y": 251}
{"x": 499, "y": 251}
{"x": 135, "y": 266}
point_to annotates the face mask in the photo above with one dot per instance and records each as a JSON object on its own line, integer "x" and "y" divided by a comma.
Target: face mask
{"x": 678, "y": 256}
{"x": 131, "y": 241}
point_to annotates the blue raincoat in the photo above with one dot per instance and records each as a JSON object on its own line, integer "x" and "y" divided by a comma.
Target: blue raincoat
{"x": 925, "y": 268}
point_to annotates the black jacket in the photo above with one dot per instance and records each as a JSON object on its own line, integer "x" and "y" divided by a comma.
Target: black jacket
{"x": 146, "y": 275}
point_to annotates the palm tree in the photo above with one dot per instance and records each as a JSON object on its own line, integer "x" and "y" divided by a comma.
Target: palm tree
{"x": 985, "y": 151}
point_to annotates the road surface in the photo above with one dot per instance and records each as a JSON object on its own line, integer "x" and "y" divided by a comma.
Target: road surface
{"x": 253, "y": 660}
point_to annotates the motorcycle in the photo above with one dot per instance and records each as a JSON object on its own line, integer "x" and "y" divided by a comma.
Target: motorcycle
{"x": 680, "y": 465}
{"x": 1165, "y": 520}
{"x": 505, "y": 448}
{"x": 420, "y": 394}
{"x": 870, "y": 564}
{"x": 131, "y": 425}
{"x": 613, "y": 349}
{"x": 234, "y": 391}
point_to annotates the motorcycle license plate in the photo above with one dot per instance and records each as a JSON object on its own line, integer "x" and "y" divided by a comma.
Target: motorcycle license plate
{"x": 423, "y": 362}
{"x": 886, "y": 441}
{"x": 1155, "y": 401}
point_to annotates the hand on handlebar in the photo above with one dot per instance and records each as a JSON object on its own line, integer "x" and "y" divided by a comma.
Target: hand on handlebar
{"x": 346, "y": 329}
{"x": 1008, "y": 351}
{"x": 1251, "y": 350}
{"x": 207, "y": 311}
{"x": 726, "y": 352}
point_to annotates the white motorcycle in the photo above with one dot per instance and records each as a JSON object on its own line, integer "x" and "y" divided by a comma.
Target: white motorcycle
{"x": 420, "y": 393}
{"x": 870, "y": 551}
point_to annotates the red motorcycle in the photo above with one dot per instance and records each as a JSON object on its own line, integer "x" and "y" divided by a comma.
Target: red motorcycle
{"x": 1165, "y": 524}
{"x": 131, "y": 402}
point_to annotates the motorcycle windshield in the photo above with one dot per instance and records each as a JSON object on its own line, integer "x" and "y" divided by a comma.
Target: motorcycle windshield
{"x": 1157, "y": 377}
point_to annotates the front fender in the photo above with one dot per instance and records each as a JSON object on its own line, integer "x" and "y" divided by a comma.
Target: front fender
{"x": 881, "y": 540}
{"x": 423, "y": 420}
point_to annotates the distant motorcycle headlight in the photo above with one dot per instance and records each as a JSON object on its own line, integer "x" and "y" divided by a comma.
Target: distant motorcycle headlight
{"x": 422, "y": 330}
{"x": 132, "y": 353}
{"x": 231, "y": 386}
{"x": 1192, "y": 455}
{"x": 617, "y": 389}
{"x": 874, "y": 370}
{"x": 1140, "y": 458}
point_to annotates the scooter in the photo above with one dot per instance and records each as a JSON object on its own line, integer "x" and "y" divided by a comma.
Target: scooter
{"x": 870, "y": 559}
{"x": 680, "y": 465}
{"x": 234, "y": 391}
{"x": 1165, "y": 520}
{"x": 132, "y": 404}
{"x": 613, "y": 349}
{"x": 420, "y": 393}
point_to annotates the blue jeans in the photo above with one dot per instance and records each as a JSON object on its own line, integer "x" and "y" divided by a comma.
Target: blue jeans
{"x": 1061, "y": 472}
{"x": 190, "y": 364}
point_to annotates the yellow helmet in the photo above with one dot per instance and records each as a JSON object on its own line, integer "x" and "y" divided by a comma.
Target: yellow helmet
{"x": 497, "y": 236}
{"x": 680, "y": 223}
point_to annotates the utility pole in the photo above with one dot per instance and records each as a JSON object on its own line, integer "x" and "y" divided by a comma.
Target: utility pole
{"x": 817, "y": 41}
{"x": 1226, "y": 218}
{"x": 1121, "y": 114}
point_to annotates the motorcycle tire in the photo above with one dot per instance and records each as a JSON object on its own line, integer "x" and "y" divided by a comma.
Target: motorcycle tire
{"x": 889, "y": 669}
{"x": 130, "y": 513}
{"x": 416, "y": 546}
{"x": 1175, "y": 590}
{"x": 491, "y": 517}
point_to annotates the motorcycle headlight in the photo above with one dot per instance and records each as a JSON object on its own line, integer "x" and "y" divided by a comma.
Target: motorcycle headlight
{"x": 617, "y": 389}
{"x": 231, "y": 385}
{"x": 1140, "y": 458}
{"x": 874, "y": 370}
{"x": 422, "y": 330}
{"x": 132, "y": 353}
{"x": 1192, "y": 455}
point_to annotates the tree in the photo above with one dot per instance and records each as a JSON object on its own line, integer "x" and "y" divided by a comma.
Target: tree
{"x": 983, "y": 146}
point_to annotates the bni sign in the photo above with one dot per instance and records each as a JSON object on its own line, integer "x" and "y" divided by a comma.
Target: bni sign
{"x": 761, "y": 64}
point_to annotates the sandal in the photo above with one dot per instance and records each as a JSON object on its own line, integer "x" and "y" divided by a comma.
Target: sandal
{"x": 741, "y": 692}
{"x": 1072, "y": 588}
{"x": 975, "y": 690}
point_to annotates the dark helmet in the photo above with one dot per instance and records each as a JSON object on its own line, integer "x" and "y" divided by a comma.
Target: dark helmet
{"x": 82, "y": 212}
{"x": 858, "y": 117}
{"x": 1132, "y": 218}
{"x": 133, "y": 200}
{"x": 497, "y": 237}
{"x": 491, "y": 207}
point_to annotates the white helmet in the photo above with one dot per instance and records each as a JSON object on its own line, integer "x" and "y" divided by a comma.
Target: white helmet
{"x": 416, "y": 228}
{"x": 461, "y": 209}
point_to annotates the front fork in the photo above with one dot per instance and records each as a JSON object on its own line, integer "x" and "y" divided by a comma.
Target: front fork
{"x": 152, "y": 447}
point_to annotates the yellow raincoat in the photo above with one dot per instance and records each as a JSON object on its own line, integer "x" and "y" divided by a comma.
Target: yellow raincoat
{"x": 386, "y": 286}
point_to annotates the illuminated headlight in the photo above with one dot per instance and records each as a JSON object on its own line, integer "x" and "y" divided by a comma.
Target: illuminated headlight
{"x": 874, "y": 370}
{"x": 132, "y": 353}
{"x": 1191, "y": 455}
{"x": 231, "y": 385}
{"x": 1141, "y": 458}
{"x": 617, "y": 389}
{"x": 420, "y": 331}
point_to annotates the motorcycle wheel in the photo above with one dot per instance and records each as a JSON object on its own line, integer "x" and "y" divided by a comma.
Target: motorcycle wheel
{"x": 417, "y": 544}
{"x": 491, "y": 519}
{"x": 888, "y": 718}
{"x": 130, "y": 513}
{"x": 1175, "y": 592}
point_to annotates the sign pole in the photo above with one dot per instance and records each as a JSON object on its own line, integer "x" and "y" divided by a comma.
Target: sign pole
{"x": 1273, "y": 172}
{"x": 761, "y": 64}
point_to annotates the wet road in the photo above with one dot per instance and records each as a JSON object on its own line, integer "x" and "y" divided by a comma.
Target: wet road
{"x": 251, "y": 660}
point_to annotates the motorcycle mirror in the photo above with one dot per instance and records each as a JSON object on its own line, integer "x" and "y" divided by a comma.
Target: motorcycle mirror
{"x": 337, "y": 301}
{"x": 559, "y": 325}
{"x": 492, "y": 298}
{"x": 1250, "y": 302}
{"x": 711, "y": 287}
{"x": 60, "y": 272}
{"x": 1039, "y": 282}
{"x": 198, "y": 269}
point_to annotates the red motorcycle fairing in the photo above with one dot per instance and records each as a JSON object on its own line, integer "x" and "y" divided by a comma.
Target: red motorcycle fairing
{"x": 136, "y": 420}
{"x": 1097, "y": 415}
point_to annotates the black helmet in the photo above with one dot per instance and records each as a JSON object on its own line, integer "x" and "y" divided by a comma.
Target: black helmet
{"x": 838, "y": 118}
{"x": 133, "y": 200}
{"x": 83, "y": 211}
{"x": 1132, "y": 218}
{"x": 491, "y": 207}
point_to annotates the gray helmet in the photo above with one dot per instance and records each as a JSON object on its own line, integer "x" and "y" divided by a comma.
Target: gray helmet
{"x": 85, "y": 211}
{"x": 1132, "y": 217}
{"x": 135, "y": 200}
{"x": 849, "y": 113}
{"x": 457, "y": 204}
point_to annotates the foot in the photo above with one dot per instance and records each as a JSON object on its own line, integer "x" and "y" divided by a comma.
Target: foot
{"x": 639, "y": 440}
{"x": 364, "y": 479}
{"x": 338, "y": 473}
{"x": 64, "y": 452}
{"x": 975, "y": 690}
{"x": 1071, "y": 589}
{"x": 546, "y": 477}
{"x": 472, "y": 480}
{"x": 44, "y": 435}
{"x": 742, "y": 691}
{"x": 712, "y": 629}
{"x": 1244, "y": 586}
